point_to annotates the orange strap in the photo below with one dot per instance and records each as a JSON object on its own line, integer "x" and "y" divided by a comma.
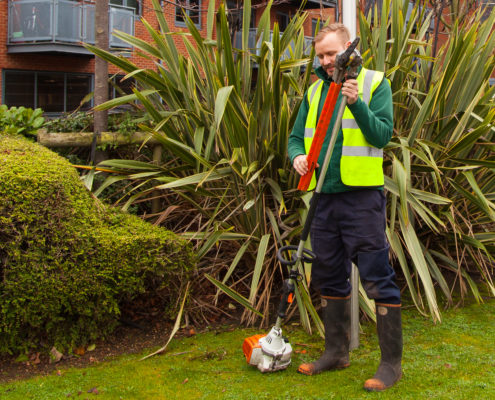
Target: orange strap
{"x": 319, "y": 135}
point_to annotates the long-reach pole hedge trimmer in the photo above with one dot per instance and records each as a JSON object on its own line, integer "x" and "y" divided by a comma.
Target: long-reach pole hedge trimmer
{"x": 272, "y": 352}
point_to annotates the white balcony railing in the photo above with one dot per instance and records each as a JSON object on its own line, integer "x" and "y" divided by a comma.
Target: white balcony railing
{"x": 255, "y": 46}
{"x": 63, "y": 21}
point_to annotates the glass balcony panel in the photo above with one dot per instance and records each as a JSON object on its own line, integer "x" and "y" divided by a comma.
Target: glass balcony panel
{"x": 31, "y": 20}
{"x": 89, "y": 24}
{"x": 121, "y": 19}
{"x": 69, "y": 19}
{"x": 63, "y": 21}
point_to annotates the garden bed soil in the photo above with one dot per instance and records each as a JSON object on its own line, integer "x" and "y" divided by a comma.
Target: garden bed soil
{"x": 125, "y": 340}
{"x": 128, "y": 338}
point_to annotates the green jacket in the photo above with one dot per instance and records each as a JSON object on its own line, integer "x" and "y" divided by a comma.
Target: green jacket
{"x": 375, "y": 121}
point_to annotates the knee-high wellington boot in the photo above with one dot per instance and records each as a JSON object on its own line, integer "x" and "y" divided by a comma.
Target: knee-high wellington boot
{"x": 389, "y": 328}
{"x": 336, "y": 315}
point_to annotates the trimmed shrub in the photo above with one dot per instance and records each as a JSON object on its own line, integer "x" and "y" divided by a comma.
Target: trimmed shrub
{"x": 67, "y": 261}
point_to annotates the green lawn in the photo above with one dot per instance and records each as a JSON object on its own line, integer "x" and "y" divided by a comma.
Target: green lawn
{"x": 452, "y": 360}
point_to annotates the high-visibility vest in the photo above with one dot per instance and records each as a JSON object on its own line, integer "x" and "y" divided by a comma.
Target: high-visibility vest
{"x": 361, "y": 163}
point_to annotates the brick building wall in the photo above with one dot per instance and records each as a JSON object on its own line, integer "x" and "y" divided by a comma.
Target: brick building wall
{"x": 70, "y": 63}
{"x": 85, "y": 64}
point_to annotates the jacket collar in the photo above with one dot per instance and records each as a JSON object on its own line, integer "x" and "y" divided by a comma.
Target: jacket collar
{"x": 320, "y": 73}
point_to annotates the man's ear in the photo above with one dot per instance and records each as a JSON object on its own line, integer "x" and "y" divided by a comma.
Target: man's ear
{"x": 348, "y": 44}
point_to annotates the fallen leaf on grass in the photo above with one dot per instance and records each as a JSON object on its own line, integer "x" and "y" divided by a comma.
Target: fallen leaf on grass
{"x": 301, "y": 351}
{"x": 191, "y": 332}
{"x": 185, "y": 381}
{"x": 55, "y": 355}
{"x": 91, "y": 347}
{"x": 93, "y": 390}
{"x": 35, "y": 358}
{"x": 79, "y": 351}
{"x": 22, "y": 358}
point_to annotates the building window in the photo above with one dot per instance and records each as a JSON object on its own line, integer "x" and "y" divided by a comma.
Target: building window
{"x": 19, "y": 89}
{"x": 369, "y": 5}
{"x": 487, "y": 7}
{"x": 120, "y": 87}
{"x": 234, "y": 15}
{"x": 235, "y": 10}
{"x": 50, "y": 93}
{"x": 192, "y": 8}
{"x": 283, "y": 21}
{"x": 128, "y": 3}
{"x": 315, "y": 23}
{"x": 54, "y": 92}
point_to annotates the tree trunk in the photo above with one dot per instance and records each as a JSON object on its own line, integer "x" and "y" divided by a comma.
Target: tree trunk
{"x": 84, "y": 139}
{"x": 101, "y": 72}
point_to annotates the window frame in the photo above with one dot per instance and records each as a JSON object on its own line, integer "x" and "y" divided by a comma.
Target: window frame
{"x": 285, "y": 15}
{"x": 182, "y": 24}
{"x": 112, "y": 92}
{"x": 35, "y": 73}
{"x": 314, "y": 25}
{"x": 138, "y": 12}
{"x": 488, "y": 6}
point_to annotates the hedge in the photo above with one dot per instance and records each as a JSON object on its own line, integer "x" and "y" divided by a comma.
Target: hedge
{"x": 68, "y": 262}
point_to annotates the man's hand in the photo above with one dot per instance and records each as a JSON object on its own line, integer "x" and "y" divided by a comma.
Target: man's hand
{"x": 350, "y": 89}
{"x": 301, "y": 164}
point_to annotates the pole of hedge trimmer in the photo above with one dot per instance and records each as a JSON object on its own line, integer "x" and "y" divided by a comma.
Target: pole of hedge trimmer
{"x": 346, "y": 59}
{"x": 314, "y": 203}
{"x": 349, "y": 19}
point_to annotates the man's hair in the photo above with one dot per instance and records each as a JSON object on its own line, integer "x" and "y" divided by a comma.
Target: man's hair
{"x": 337, "y": 28}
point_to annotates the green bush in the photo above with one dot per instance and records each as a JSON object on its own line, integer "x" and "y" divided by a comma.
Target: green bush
{"x": 122, "y": 122}
{"x": 79, "y": 121}
{"x": 68, "y": 262}
{"x": 24, "y": 121}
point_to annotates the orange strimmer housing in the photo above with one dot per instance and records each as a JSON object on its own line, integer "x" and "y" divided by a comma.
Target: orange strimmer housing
{"x": 250, "y": 345}
{"x": 269, "y": 352}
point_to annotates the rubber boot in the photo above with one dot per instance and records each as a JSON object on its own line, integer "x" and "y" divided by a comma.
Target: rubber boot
{"x": 389, "y": 328}
{"x": 336, "y": 315}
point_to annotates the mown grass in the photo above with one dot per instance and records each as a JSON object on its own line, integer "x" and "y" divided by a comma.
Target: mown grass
{"x": 451, "y": 360}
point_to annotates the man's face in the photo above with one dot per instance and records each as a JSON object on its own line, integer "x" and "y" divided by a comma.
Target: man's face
{"x": 326, "y": 50}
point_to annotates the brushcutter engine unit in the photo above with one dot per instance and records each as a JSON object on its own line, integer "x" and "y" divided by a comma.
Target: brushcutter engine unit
{"x": 268, "y": 353}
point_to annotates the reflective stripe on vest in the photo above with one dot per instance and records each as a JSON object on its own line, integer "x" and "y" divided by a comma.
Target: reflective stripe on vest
{"x": 361, "y": 163}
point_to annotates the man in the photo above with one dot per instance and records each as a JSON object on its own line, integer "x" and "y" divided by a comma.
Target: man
{"x": 350, "y": 219}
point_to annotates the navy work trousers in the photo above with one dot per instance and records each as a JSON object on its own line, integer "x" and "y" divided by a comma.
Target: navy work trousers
{"x": 350, "y": 227}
